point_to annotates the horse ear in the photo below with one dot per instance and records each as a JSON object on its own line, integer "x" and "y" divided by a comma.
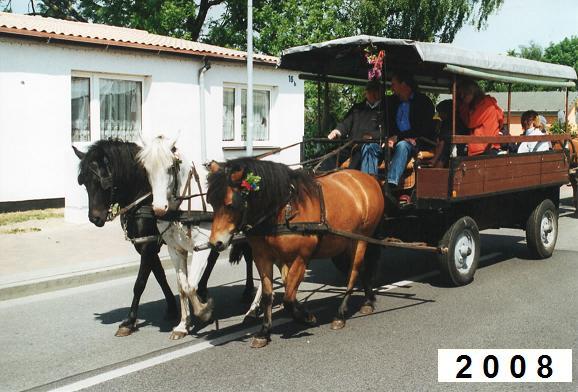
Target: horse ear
{"x": 79, "y": 153}
{"x": 237, "y": 175}
{"x": 213, "y": 167}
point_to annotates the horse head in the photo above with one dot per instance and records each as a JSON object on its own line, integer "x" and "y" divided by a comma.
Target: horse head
{"x": 228, "y": 202}
{"x": 96, "y": 175}
{"x": 166, "y": 170}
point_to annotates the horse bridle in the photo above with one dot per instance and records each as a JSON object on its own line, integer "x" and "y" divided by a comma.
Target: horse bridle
{"x": 106, "y": 182}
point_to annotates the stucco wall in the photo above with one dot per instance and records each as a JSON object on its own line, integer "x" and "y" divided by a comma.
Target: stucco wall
{"x": 36, "y": 161}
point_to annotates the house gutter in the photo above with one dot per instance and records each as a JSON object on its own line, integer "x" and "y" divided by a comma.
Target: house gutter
{"x": 205, "y": 68}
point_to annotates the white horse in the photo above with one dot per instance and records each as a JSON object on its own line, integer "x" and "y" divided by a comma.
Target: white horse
{"x": 160, "y": 159}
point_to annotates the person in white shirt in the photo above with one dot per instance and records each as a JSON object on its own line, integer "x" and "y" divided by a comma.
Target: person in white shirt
{"x": 530, "y": 123}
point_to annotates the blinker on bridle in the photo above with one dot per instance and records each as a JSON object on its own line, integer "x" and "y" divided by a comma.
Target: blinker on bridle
{"x": 107, "y": 182}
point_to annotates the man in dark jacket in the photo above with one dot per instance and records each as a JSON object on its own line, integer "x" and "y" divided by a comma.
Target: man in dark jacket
{"x": 362, "y": 122}
{"x": 411, "y": 117}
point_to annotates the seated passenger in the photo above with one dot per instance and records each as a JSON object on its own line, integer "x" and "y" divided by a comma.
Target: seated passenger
{"x": 531, "y": 124}
{"x": 362, "y": 122}
{"x": 411, "y": 117}
{"x": 481, "y": 114}
{"x": 442, "y": 153}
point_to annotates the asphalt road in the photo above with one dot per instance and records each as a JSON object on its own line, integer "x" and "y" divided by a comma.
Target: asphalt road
{"x": 66, "y": 338}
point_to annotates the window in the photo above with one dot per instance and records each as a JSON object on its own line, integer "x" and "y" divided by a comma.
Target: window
{"x": 235, "y": 114}
{"x": 105, "y": 107}
{"x": 80, "y": 112}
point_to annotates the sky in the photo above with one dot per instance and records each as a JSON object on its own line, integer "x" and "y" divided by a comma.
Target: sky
{"x": 516, "y": 23}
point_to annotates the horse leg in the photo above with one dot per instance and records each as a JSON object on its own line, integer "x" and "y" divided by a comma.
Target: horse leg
{"x": 367, "y": 272}
{"x": 180, "y": 263}
{"x": 249, "y": 284}
{"x": 265, "y": 268}
{"x": 252, "y": 312}
{"x": 194, "y": 270}
{"x": 161, "y": 278}
{"x": 293, "y": 279}
{"x": 358, "y": 253}
{"x": 128, "y": 326}
{"x": 202, "y": 288}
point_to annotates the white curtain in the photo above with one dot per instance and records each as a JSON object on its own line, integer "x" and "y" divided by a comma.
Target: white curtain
{"x": 228, "y": 113}
{"x": 80, "y": 110}
{"x": 260, "y": 115}
{"x": 120, "y": 109}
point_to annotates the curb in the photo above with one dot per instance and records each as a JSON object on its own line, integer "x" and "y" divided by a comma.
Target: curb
{"x": 75, "y": 279}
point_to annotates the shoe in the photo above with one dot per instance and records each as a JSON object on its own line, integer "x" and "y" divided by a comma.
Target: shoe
{"x": 388, "y": 194}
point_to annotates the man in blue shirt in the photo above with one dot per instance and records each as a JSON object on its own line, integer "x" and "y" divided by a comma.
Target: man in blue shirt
{"x": 411, "y": 117}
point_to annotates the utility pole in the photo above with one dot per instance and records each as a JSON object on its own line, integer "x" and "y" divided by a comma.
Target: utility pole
{"x": 249, "y": 78}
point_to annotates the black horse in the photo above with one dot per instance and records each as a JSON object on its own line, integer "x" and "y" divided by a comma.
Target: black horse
{"x": 111, "y": 174}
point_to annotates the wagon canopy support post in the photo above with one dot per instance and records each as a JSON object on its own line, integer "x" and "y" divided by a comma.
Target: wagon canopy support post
{"x": 325, "y": 106}
{"x": 509, "y": 105}
{"x": 384, "y": 131}
{"x": 453, "y": 151}
{"x": 319, "y": 129}
{"x": 566, "y": 112}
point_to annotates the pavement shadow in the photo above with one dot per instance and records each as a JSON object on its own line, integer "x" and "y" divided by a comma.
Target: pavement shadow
{"x": 149, "y": 314}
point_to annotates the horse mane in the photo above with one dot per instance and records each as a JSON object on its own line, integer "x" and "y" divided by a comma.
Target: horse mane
{"x": 158, "y": 154}
{"x": 129, "y": 176}
{"x": 275, "y": 187}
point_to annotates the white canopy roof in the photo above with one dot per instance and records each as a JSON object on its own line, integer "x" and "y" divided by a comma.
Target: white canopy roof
{"x": 343, "y": 57}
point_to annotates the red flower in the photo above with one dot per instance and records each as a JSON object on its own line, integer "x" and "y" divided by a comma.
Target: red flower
{"x": 246, "y": 185}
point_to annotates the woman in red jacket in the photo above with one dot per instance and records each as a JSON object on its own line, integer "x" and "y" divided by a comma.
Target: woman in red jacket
{"x": 481, "y": 114}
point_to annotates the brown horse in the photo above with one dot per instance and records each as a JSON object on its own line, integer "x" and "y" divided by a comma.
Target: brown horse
{"x": 262, "y": 197}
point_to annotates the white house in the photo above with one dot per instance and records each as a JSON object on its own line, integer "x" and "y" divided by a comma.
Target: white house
{"x": 64, "y": 83}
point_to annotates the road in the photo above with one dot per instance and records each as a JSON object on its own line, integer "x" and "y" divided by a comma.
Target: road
{"x": 66, "y": 338}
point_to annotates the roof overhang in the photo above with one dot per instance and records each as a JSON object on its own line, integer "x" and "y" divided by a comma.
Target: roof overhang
{"x": 345, "y": 57}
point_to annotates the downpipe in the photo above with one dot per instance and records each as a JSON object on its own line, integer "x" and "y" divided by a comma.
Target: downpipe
{"x": 202, "y": 71}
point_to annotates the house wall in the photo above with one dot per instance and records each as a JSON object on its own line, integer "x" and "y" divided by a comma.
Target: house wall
{"x": 36, "y": 159}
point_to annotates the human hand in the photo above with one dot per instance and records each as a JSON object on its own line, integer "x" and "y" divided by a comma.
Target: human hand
{"x": 334, "y": 134}
{"x": 412, "y": 140}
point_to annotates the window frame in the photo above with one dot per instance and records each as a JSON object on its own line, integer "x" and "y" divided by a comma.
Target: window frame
{"x": 94, "y": 89}
{"x": 237, "y": 141}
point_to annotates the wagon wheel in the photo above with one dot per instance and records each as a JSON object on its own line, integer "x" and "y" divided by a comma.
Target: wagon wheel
{"x": 542, "y": 230}
{"x": 462, "y": 241}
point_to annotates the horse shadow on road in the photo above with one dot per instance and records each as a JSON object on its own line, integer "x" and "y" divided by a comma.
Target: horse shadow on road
{"x": 227, "y": 299}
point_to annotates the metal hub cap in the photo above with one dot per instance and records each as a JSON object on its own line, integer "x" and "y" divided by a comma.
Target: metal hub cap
{"x": 464, "y": 252}
{"x": 547, "y": 229}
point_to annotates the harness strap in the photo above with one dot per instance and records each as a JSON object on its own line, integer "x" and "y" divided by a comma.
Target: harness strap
{"x": 198, "y": 181}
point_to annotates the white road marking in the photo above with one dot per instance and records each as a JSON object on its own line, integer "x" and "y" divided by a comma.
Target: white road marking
{"x": 147, "y": 363}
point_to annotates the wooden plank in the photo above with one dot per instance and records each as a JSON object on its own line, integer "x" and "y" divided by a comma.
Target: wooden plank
{"x": 466, "y": 139}
{"x": 506, "y": 184}
{"x": 555, "y": 177}
{"x": 432, "y": 183}
{"x": 513, "y": 171}
{"x": 471, "y": 189}
{"x": 556, "y": 156}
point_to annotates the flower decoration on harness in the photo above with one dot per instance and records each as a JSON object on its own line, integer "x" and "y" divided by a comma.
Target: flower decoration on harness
{"x": 375, "y": 61}
{"x": 250, "y": 184}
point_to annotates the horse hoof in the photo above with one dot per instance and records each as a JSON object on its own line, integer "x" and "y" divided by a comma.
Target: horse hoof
{"x": 337, "y": 324}
{"x": 310, "y": 320}
{"x": 176, "y": 335}
{"x": 366, "y": 309}
{"x": 124, "y": 331}
{"x": 258, "y": 342}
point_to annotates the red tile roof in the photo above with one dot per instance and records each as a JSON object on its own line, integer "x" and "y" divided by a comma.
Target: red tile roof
{"x": 65, "y": 30}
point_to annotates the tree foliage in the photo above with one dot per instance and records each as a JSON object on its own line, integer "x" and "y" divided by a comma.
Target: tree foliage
{"x": 564, "y": 52}
{"x": 279, "y": 24}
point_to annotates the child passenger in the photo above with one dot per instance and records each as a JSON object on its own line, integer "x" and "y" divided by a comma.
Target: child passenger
{"x": 531, "y": 124}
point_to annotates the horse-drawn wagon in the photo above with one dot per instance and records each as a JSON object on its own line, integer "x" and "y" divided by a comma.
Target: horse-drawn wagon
{"x": 448, "y": 206}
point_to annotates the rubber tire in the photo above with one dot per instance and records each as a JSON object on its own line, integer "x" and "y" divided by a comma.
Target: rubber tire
{"x": 446, "y": 261}
{"x": 533, "y": 228}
